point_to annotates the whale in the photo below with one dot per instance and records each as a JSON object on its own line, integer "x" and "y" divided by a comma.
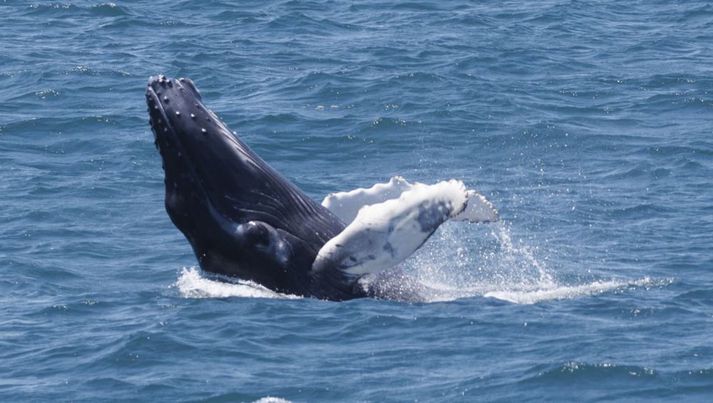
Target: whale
{"x": 245, "y": 220}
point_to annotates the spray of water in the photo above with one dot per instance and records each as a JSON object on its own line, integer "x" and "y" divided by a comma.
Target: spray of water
{"x": 460, "y": 262}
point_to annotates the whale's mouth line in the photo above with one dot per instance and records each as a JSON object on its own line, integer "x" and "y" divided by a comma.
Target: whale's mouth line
{"x": 159, "y": 107}
{"x": 179, "y": 147}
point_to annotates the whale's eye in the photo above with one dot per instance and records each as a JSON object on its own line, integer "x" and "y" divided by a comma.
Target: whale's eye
{"x": 255, "y": 234}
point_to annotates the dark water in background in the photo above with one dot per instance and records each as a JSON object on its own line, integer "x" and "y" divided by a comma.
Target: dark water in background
{"x": 588, "y": 124}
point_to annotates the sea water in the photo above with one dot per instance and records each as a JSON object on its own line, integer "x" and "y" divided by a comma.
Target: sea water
{"x": 588, "y": 124}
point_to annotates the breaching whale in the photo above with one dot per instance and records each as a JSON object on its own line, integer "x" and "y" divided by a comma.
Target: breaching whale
{"x": 244, "y": 219}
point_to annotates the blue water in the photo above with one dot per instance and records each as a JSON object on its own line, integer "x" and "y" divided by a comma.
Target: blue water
{"x": 588, "y": 124}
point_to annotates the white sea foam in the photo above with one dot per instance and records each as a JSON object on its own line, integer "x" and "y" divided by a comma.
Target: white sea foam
{"x": 271, "y": 399}
{"x": 572, "y": 291}
{"x": 192, "y": 283}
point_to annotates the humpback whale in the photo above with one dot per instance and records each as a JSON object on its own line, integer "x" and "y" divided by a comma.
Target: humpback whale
{"x": 244, "y": 219}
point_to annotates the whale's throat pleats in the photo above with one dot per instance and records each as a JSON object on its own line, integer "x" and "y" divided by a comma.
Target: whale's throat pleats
{"x": 256, "y": 192}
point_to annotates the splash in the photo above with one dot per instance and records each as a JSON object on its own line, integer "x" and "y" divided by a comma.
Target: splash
{"x": 192, "y": 283}
{"x": 462, "y": 263}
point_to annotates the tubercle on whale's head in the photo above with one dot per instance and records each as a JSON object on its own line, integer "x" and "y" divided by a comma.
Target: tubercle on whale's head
{"x": 172, "y": 106}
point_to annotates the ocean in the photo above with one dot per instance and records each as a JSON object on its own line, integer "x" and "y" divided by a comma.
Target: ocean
{"x": 587, "y": 124}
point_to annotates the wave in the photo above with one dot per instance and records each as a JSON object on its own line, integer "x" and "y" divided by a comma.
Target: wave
{"x": 107, "y": 9}
{"x": 616, "y": 373}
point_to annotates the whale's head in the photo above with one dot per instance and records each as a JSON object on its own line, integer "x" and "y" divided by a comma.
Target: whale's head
{"x": 201, "y": 157}
{"x": 242, "y": 217}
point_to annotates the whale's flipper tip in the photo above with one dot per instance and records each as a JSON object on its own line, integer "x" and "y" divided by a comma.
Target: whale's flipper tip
{"x": 477, "y": 210}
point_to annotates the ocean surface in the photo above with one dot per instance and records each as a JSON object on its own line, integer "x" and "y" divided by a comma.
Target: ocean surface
{"x": 588, "y": 124}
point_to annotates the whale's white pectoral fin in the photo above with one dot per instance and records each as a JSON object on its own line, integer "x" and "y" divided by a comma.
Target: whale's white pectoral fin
{"x": 385, "y": 234}
{"x": 346, "y": 205}
{"x": 478, "y": 209}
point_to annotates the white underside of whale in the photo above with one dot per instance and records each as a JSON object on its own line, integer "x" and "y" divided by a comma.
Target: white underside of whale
{"x": 389, "y": 221}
